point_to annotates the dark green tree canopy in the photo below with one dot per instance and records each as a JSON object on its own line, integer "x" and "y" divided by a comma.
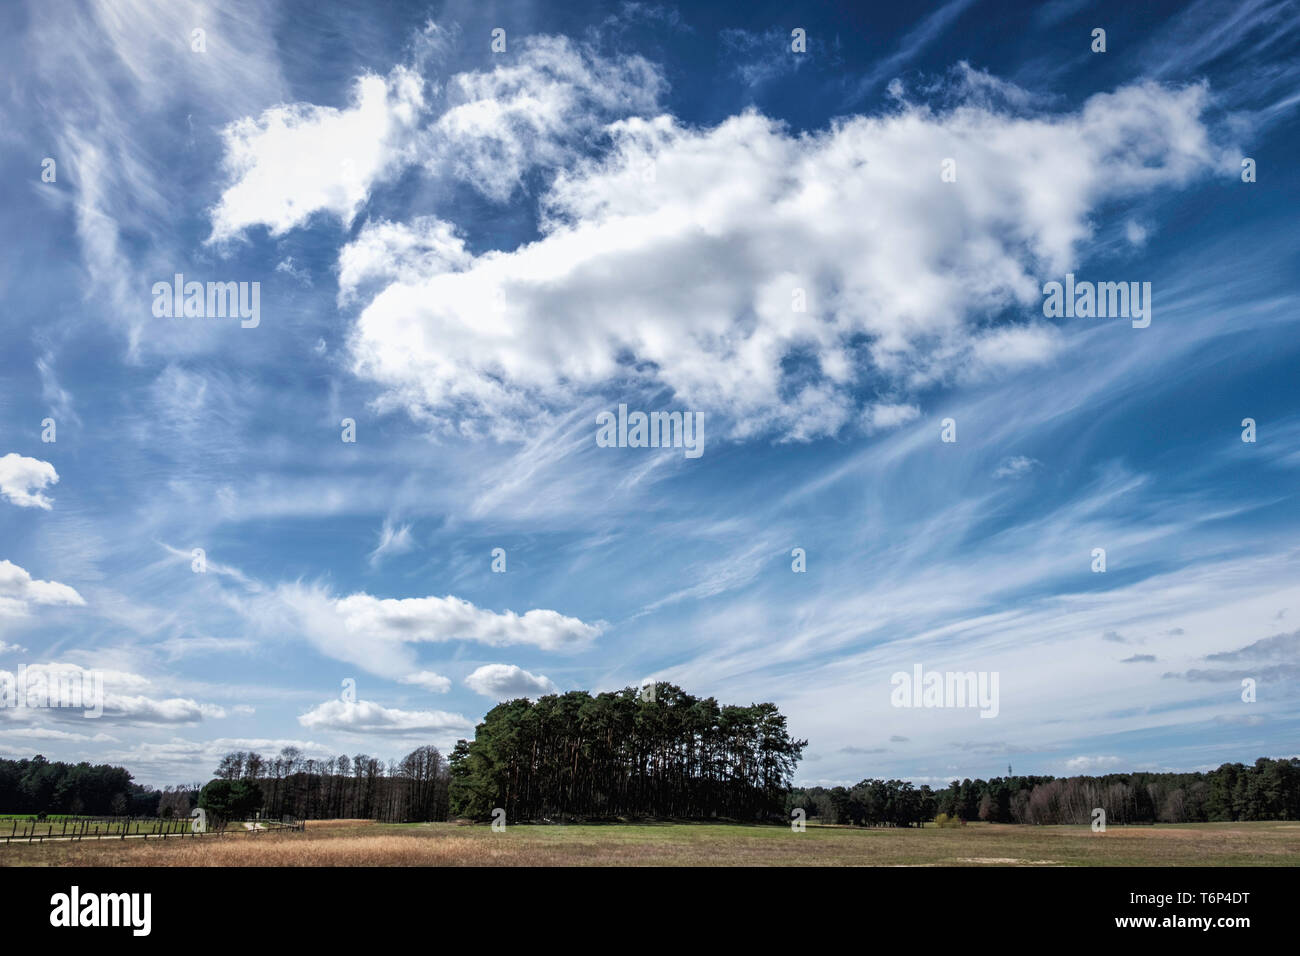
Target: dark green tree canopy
{"x": 623, "y": 753}
{"x": 1269, "y": 790}
{"x": 231, "y": 799}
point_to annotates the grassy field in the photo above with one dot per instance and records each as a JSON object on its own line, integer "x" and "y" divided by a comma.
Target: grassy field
{"x": 363, "y": 843}
{"x": 15, "y": 827}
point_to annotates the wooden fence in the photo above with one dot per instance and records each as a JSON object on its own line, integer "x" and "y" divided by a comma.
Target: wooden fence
{"x": 121, "y": 828}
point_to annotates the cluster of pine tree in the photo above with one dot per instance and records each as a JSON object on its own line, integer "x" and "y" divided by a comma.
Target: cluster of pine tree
{"x": 41, "y": 786}
{"x": 1269, "y": 790}
{"x": 625, "y": 754}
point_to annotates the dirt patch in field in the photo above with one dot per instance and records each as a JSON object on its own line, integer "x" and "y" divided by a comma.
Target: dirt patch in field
{"x": 1005, "y": 861}
{"x": 335, "y": 824}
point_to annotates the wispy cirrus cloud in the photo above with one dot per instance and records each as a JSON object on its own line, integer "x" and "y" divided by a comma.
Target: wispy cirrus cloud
{"x": 524, "y": 239}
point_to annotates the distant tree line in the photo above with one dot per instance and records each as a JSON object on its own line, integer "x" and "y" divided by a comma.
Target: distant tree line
{"x": 41, "y": 786}
{"x": 625, "y": 753}
{"x": 615, "y": 754}
{"x": 1269, "y": 790}
{"x": 871, "y": 803}
{"x": 359, "y": 787}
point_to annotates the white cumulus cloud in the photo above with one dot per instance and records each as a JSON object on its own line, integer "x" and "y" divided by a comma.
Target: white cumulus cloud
{"x": 502, "y": 681}
{"x": 23, "y": 479}
{"x": 363, "y": 716}
{"x": 535, "y": 111}
{"x": 379, "y": 634}
{"x": 299, "y": 159}
{"x": 19, "y": 591}
{"x": 769, "y": 277}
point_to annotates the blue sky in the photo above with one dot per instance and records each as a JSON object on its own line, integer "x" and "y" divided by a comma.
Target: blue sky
{"x": 472, "y": 253}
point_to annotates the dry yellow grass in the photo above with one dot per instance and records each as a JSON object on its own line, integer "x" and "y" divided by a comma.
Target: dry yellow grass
{"x": 365, "y": 843}
{"x": 390, "y": 850}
